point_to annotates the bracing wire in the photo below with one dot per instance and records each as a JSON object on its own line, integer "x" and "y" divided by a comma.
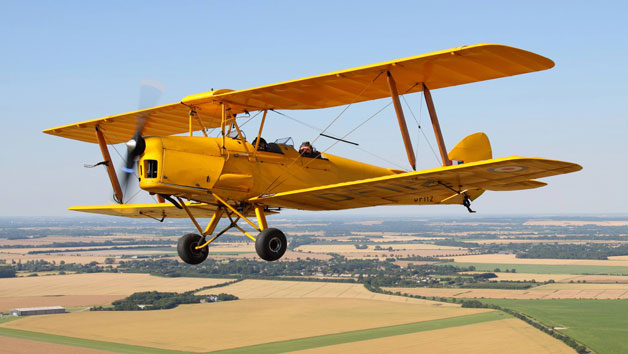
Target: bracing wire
{"x": 357, "y": 147}
{"x": 329, "y": 147}
{"x": 133, "y": 196}
{"x": 420, "y": 129}
{"x": 344, "y": 136}
{"x": 250, "y": 119}
{"x": 357, "y": 97}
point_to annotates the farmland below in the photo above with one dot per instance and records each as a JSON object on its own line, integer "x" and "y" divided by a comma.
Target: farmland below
{"x": 354, "y": 285}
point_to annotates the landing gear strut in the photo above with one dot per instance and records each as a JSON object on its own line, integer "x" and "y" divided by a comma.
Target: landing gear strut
{"x": 270, "y": 244}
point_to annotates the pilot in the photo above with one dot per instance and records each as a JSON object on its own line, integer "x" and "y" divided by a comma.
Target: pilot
{"x": 307, "y": 150}
{"x": 263, "y": 146}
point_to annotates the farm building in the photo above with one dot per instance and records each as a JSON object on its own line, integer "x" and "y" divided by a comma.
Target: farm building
{"x": 28, "y": 311}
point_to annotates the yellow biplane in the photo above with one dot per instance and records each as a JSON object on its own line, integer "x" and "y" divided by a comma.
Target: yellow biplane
{"x": 228, "y": 176}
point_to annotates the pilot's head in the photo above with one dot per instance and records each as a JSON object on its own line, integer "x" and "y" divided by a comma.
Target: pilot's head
{"x": 306, "y": 147}
{"x": 263, "y": 146}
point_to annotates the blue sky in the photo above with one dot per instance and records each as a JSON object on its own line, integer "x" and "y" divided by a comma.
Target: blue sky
{"x": 68, "y": 61}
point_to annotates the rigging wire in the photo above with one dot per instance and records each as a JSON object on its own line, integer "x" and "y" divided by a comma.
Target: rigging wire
{"x": 359, "y": 125}
{"x": 349, "y": 105}
{"x": 420, "y": 129}
{"x": 343, "y": 137}
{"x": 326, "y": 149}
{"x": 250, "y": 119}
{"x": 357, "y": 147}
{"x": 134, "y": 195}
{"x": 357, "y": 97}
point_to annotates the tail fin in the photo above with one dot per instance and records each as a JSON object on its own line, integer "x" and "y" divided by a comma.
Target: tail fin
{"x": 474, "y": 147}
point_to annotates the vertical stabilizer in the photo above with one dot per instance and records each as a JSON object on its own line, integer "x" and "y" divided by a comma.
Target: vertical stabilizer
{"x": 474, "y": 147}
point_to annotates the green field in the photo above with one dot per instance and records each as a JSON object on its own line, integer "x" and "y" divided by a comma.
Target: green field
{"x": 275, "y": 347}
{"x": 547, "y": 268}
{"x": 601, "y": 325}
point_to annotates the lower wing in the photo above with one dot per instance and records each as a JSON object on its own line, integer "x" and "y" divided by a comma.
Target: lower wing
{"x": 153, "y": 210}
{"x": 443, "y": 185}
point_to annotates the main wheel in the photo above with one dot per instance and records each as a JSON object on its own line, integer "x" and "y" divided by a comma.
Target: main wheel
{"x": 271, "y": 244}
{"x": 186, "y": 247}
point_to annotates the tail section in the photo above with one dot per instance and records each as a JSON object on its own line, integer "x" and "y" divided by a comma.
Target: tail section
{"x": 474, "y": 147}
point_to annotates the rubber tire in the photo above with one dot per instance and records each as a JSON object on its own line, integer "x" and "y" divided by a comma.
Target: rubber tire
{"x": 271, "y": 244}
{"x": 185, "y": 249}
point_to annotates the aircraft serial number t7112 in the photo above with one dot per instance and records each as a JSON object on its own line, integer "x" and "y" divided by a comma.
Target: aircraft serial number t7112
{"x": 229, "y": 177}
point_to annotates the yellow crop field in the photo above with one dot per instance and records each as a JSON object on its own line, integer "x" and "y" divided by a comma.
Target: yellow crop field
{"x": 119, "y": 252}
{"x": 618, "y": 258}
{"x": 288, "y": 256}
{"x": 59, "y": 239}
{"x": 371, "y": 248}
{"x": 98, "y": 284}
{"x": 8, "y": 303}
{"x": 214, "y": 326}
{"x": 583, "y": 286}
{"x": 559, "y": 278}
{"x": 56, "y": 257}
{"x": 22, "y": 346}
{"x": 601, "y": 278}
{"x": 511, "y": 259}
{"x": 438, "y": 292}
{"x": 123, "y": 249}
{"x": 511, "y": 240}
{"x": 533, "y": 293}
{"x": 499, "y": 337}
{"x": 259, "y": 289}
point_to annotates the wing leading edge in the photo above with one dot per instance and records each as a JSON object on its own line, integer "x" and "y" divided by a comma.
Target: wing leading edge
{"x": 154, "y": 210}
{"x": 443, "y": 185}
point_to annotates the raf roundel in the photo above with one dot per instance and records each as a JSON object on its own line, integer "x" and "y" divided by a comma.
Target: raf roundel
{"x": 508, "y": 169}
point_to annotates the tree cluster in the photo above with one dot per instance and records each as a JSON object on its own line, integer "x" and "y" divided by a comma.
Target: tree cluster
{"x": 155, "y": 300}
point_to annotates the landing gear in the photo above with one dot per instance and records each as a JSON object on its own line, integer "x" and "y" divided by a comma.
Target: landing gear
{"x": 271, "y": 244}
{"x": 186, "y": 247}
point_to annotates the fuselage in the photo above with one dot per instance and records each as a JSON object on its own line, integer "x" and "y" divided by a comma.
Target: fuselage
{"x": 194, "y": 166}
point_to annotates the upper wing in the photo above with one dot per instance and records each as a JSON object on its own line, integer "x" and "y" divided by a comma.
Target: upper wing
{"x": 451, "y": 67}
{"x": 163, "y": 120}
{"x": 445, "y": 68}
{"x": 439, "y": 185}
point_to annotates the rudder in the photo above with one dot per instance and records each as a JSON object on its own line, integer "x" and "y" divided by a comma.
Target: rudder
{"x": 475, "y": 147}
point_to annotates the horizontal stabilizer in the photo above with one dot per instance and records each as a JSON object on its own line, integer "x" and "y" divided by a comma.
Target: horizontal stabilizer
{"x": 516, "y": 186}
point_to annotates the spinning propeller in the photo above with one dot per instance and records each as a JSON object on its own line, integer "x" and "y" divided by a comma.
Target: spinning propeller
{"x": 150, "y": 92}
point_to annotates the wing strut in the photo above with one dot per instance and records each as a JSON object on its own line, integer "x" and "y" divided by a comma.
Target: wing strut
{"x": 437, "y": 132}
{"x": 402, "y": 120}
{"x": 117, "y": 190}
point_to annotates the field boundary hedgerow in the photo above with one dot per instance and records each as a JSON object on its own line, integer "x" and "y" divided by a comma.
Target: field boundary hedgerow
{"x": 477, "y": 303}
